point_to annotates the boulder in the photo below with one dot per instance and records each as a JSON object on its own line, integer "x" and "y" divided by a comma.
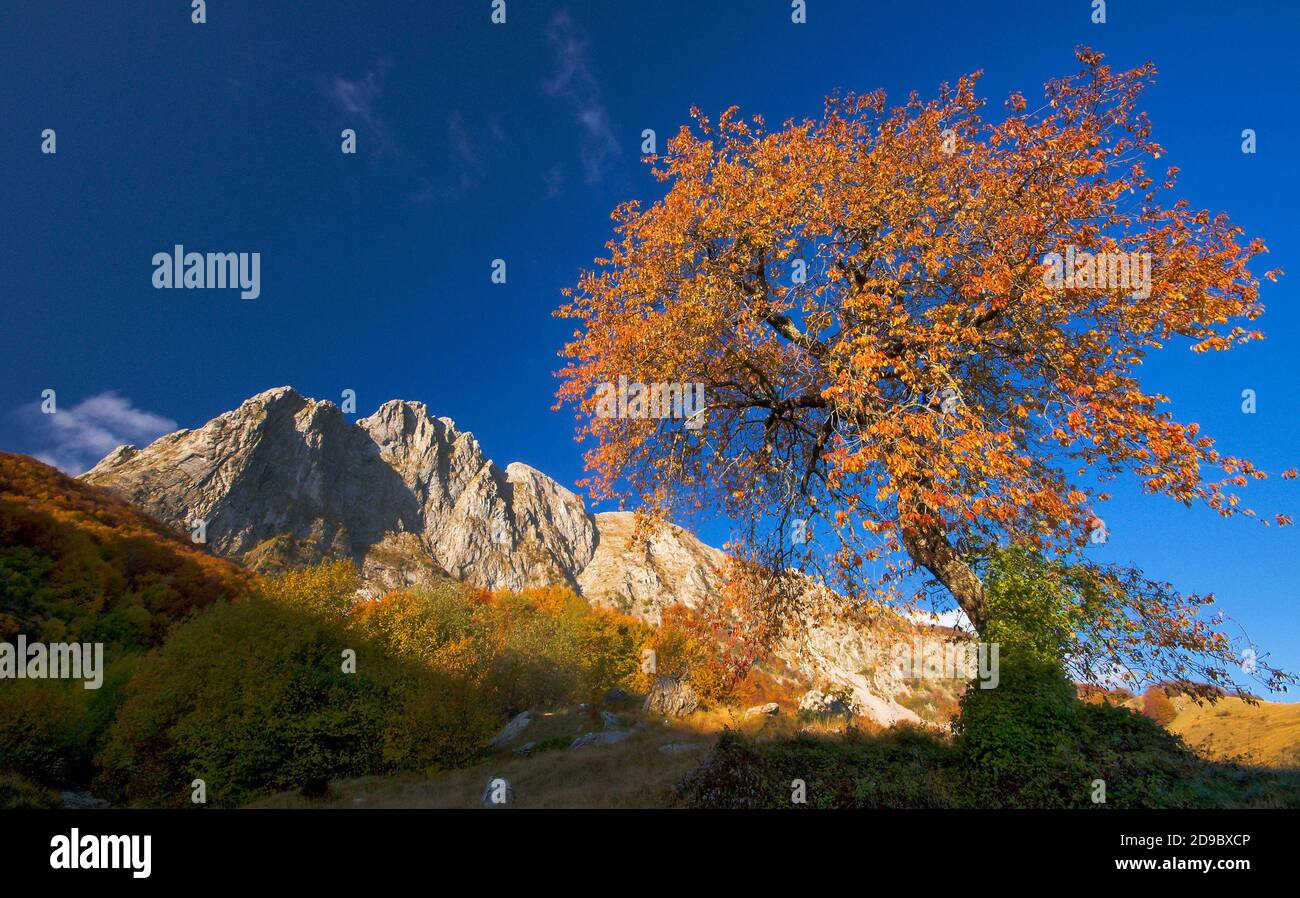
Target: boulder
{"x": 671, "y": 697}
{"x": 825, "y": 704}
{"x": 608, "y": 737}
{"x": 81, "y": 800}
{"x": 511, "y": 730}
{"x": 768, "y": 710}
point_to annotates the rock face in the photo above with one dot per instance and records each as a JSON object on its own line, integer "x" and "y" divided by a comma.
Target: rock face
{"x": 646, "y": 576}
{"x": 284, "y": 480}
{"x": 402, "y": 493}
{"x": 821, "y": 704}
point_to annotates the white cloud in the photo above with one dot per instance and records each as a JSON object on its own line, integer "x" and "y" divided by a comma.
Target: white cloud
{"x": 953, "y": 617}
{"x": 576, "y": 85}
{"x": 74, "y": 439}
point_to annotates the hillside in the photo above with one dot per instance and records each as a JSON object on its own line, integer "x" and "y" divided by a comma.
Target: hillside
{"x": 1267, "y": 733}
{"x": 444, "y": 666}
{"x": 80, "y": 564}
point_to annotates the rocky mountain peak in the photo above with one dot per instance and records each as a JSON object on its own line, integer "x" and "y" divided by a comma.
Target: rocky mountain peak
{"x": 282, "y": 469}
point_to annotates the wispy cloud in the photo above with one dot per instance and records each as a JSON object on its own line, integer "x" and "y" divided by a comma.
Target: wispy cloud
{"x": 553, "y": 180}
{"x": 359, "y": 100}
{"x": 472, "y": 168}
{"x": 954, "y": 618}
{"x": 472, "y": 149}
{"x": 576, "y": 85}
{"x": 73, "y": 439}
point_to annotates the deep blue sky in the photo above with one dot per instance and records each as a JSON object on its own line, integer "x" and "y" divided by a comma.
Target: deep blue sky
{"x": 480, "y": 141}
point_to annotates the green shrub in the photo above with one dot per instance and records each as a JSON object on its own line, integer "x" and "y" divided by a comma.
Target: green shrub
{"x": 252, "y": 698}
{"x": 248, "y": 697}
{"x": 905, "y": 767}
{"x": 1020, "y": 741}
{"x": 17, "y": 792}
{"x": 40, "y": 733}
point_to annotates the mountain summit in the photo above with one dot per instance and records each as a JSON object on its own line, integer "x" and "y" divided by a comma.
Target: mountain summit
{"x": 404, "y": 494}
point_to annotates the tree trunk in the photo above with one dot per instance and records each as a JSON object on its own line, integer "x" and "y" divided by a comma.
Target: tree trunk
{"x": 928, "y": 546}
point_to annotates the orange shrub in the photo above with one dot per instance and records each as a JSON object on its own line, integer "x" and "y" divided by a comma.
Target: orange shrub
{"x": 1157, "y": 706}
{"x": 686, "y": 646}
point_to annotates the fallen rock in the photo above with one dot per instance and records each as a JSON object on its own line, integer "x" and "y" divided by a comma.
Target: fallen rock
{"x": 768, "y": 710}
{"x": 81, "y": 800}
{"x": 526, "y": 748}
{"x": 512, "y": 729}
{"x": 608, "y": 720}
{"x": 671, "y": 697}
{"x": 608, "y": 737}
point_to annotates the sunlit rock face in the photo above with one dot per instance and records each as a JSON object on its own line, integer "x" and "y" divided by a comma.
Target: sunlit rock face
{"x": 404, "y": 494}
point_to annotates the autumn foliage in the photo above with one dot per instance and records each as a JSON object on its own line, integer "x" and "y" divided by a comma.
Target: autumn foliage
{"x": 1157, "y": 706}
{"x": 78, "y": 564}
{"x": 890, "y": 364}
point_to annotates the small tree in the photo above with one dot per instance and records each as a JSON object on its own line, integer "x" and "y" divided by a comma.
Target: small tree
{"x": 1157, "y": 706}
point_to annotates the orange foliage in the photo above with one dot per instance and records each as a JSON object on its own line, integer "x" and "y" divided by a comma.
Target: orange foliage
{"x": 1157, "y": 706}
{"x": 686, "y": 646}
{"x": 927, "y": 390}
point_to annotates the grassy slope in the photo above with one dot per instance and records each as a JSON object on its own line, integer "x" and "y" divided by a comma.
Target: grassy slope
{"x": 631, "y": 773}
{"x": 635, "y": 773}
{"x": 1266, "y": 734}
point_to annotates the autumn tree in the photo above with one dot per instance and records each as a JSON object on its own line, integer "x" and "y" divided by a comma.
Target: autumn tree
{"x": 918, "y": 332}
{"x": 1157, "y": 706}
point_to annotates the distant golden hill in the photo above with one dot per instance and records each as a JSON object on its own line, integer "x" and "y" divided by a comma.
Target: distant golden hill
{"x": 1267, "y": 733}
{"x": 79, "y": 564}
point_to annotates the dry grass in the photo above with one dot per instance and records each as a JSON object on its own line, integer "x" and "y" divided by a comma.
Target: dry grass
{"x": 1266, "y": 734}
{"x": 633, "y": 773}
